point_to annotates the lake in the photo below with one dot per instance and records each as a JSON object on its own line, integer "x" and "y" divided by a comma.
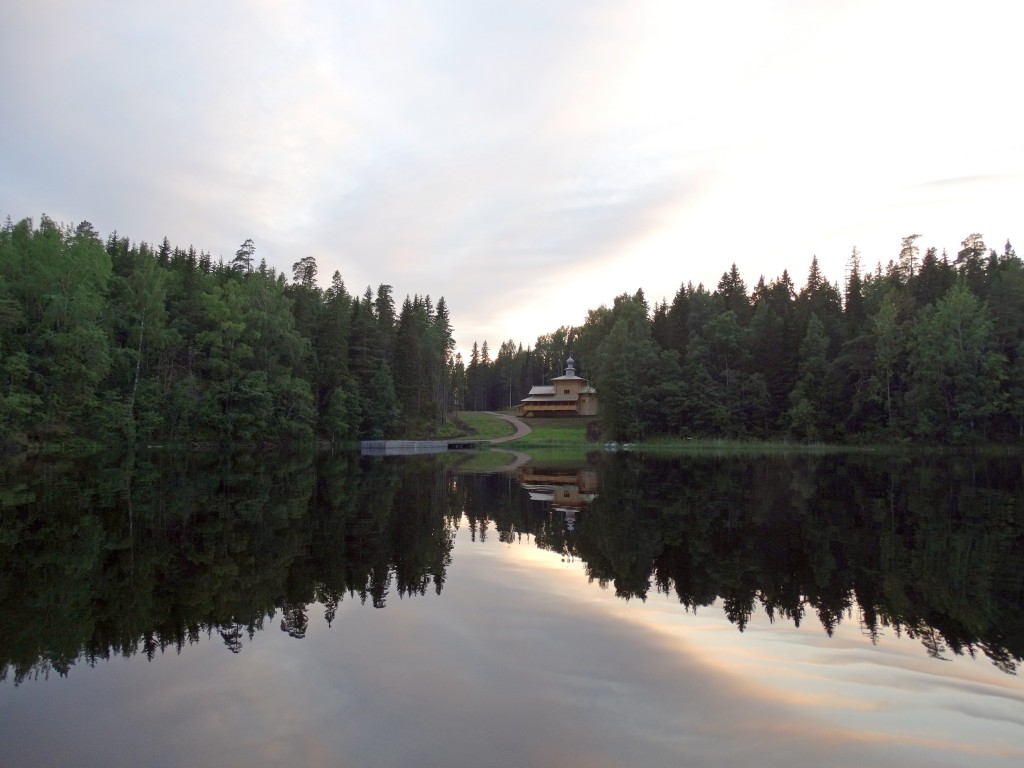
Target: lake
{"x": 338, "y": 610}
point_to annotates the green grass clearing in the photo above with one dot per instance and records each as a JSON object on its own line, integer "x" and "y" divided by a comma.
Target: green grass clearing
{"x": 483, "y": 426}
{"x": 552, "y": 440}
{"x": 548, "y": 432}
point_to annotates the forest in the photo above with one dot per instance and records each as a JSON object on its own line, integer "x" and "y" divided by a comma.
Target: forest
{"x": 120, "y": 342}
{"x": 114, "y": 341}
{"x": 927, "y": 349}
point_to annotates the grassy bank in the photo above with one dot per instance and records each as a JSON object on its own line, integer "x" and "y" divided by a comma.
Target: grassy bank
{"x": 481, "y": 426}
{"x": 705, "y": 446}
{"x": 550, "y": 441}
{"x": 570, "y": 435}
{"x": 551, "y": 432}
{"x": 676, "y": 445}
{"x": 566, "y": 439}
{"x": 555, "y": 440}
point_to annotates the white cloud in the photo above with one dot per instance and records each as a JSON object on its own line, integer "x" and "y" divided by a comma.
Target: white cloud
{"x": 529, "y": 160}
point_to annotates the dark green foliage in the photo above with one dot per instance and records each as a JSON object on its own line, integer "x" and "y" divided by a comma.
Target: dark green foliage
{"x": 147, "y": 553}
{"x": 926, "y": 548}
{"x": 732, "y": 293}
{"x": 121, "y": 342}
{"x": 806, "y": 399}
{"x": 56, "y": 350}
{"x": 924, "y": 351}
{"x": 623, "y": 356}
{"x": 955, "y": 374}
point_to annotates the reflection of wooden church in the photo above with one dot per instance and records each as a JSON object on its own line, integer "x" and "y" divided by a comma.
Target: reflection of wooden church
{"x": 565, "y": 490}
{"x": 562, "y": 487}
{"x": 567, "y": 395}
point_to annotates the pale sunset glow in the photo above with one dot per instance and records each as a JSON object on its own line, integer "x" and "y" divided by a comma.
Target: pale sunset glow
{"x": 787, "y": 674}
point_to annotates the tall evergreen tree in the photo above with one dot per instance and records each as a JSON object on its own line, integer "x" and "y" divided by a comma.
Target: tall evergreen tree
{"x": 970, "y": 263}
{"x": 955, "y": 372}
{"x": 732, "y": 293}
{"x": 805, "y": 413}
{"x": 245, "y": 255}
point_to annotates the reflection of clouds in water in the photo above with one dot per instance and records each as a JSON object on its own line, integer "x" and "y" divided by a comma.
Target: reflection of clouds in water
{"x": 782, "y": 685}
{"x": 521, "y": 662}
{"x": 888, "y": 694}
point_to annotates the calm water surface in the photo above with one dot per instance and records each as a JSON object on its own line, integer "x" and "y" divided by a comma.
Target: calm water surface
{"x": 343, "y": 611}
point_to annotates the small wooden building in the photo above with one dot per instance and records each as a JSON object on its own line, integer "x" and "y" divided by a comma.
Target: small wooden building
{"x": 566, "y": 395}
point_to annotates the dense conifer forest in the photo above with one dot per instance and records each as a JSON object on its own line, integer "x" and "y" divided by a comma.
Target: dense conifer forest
{"x": 115, "y": 341}
{"x": 927, "y": 349}
{"x": 121, "y": 341}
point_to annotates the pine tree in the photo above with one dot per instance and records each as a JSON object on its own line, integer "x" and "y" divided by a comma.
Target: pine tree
{"x": 244, "y": 256}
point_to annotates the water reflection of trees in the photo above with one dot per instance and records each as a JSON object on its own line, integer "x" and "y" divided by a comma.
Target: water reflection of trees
{"x": 107, "y": 558}
{"x": 931, "y": 549}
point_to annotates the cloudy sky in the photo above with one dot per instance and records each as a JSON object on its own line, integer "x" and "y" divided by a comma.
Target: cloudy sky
{"x": 527, "y": 160}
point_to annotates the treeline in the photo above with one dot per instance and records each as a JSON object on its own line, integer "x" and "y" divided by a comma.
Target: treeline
{"x": 503, "y": 381}
{"x": 122, "y": 341}
{"x": 928, "y": 349}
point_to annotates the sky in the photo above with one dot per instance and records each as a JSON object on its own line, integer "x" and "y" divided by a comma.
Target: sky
{"x": 526, "y": 160}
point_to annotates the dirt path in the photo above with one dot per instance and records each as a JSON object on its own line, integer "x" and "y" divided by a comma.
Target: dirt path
{"x": 522, "y": 428}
